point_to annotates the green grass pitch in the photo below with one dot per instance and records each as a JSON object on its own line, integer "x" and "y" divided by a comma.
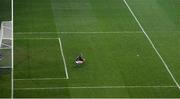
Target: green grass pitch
{"x": 5, "y": 10}
{"x": 5, "y": 75}
{"x": 120, "y": 61}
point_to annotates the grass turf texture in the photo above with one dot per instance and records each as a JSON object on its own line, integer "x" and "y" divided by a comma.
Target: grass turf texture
{"x": 113, "y": 59}
{"x": 5, "y": 10}
{"x": 6, "y": 60}
{"x": 5, "y": 86}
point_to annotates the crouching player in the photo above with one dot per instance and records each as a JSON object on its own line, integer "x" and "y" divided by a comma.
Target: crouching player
{"x": 79, "y": 60}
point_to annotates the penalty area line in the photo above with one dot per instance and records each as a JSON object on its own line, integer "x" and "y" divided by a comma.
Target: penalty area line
{"x": 39, "y": 79}
{"x": 94, "y": 87}
{"x": 64, "y": 61}
{"x": 36, "y": 38}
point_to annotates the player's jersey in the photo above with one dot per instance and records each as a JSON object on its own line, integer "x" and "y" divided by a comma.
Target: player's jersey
{"x": 79, "y": 58}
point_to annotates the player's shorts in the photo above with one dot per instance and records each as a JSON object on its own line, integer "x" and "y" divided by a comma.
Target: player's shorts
{"x": 79, "y": 62}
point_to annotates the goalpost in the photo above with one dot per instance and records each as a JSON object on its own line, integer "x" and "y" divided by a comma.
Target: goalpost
{"x": 6, "y": 35}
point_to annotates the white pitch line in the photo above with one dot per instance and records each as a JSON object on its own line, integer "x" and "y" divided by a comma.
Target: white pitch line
{"x": 150, "y": 41}
{"x": 5, "y": 67}
{"x": 113, "y": 32}
{"x": 64, "y": 61}
{"x": 6, "y": 38}
{"x": 36, "y": 38}
{"x": 37, "y": 33}
{"x": 6, "y": 48}
{"x": 39, "y": 79}
{"x": 94, "y": 87}
{"x": 122, "y": 32}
